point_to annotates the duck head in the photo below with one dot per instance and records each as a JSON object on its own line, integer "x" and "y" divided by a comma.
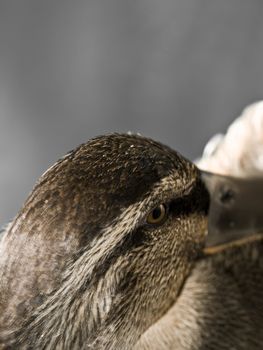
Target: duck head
{"x": 102, "y": 246}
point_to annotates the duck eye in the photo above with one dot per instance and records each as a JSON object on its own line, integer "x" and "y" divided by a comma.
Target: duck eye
{"x": 157, "y": 215}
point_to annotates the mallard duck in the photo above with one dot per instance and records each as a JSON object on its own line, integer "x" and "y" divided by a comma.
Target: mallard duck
{"x": 102, "y": 246}
{"x": 111, "y": 241}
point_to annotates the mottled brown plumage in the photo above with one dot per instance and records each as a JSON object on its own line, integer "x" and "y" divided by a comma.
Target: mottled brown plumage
{"x": 82, "y": 269}
{"x": 220, "y": 306}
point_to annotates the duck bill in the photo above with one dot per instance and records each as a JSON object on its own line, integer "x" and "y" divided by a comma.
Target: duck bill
{"x": 235, "y": 212}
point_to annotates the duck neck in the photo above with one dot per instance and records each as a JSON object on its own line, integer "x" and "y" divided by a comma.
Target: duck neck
{"x": 87, "y": 310}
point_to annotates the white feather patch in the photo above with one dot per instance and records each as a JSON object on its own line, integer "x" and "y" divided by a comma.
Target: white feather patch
{"x": 240, "y": 151}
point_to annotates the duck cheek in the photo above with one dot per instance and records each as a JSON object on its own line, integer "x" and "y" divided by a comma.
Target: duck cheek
{"x": 193, "y": 229}
{"x": 201, "y": 229}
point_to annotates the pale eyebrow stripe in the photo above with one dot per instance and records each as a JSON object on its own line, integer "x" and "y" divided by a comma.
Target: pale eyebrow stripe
{"x": 126, "y": 222}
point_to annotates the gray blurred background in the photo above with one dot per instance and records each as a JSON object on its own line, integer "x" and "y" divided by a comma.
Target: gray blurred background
{"x": 175, "y": 70}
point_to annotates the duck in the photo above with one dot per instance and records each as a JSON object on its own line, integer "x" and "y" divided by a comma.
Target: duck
{"x": 101, "y": 247}
{"x": 109, "y": 252}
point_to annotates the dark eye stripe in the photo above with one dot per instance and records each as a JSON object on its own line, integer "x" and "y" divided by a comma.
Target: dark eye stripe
{"x": 196, "y": 201}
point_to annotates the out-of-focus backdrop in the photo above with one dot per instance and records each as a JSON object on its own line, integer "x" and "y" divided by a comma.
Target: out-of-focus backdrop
{"x": 175, "y": 70}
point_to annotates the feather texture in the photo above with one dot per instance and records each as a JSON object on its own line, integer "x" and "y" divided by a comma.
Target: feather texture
{"x": 240, "y": 151}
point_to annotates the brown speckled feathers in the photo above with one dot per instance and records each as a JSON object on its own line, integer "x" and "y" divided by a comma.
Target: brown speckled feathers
{"x": 81, "y": 267}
